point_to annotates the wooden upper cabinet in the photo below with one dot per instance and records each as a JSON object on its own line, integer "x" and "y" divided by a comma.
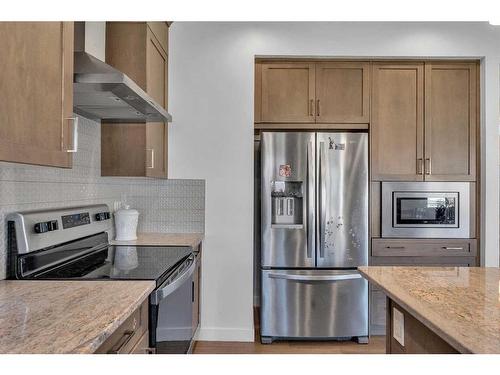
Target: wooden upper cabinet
{"x": 36, "y": 79}
{"x": 343, "y": 92}
{"x": 397, "y": 121}
{"x": 288, "y": 92}
{"x": 138, "y": 49}
{"x": 156, "y": 81}
{"x": 450, "y": 121}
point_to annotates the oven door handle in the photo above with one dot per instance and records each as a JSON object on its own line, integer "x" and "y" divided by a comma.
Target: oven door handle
{"x": 168, "y": 288}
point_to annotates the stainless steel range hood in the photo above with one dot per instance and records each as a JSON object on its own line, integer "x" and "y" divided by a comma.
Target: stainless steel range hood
{"x": 101, "y": 92}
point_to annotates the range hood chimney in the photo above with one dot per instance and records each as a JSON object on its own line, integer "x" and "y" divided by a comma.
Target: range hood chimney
{"x": 101, "y": 92}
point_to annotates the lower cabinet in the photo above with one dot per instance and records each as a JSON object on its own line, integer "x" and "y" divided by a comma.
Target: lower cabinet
{"x": 132, "y": 337}
{"x": 142, "y": 346}
{"x": 414, "y": 252}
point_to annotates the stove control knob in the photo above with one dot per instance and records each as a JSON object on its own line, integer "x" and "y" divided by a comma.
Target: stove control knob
{"x": 41, "y": 227}
{"x": 102, "y": 216}
{"x": 53, "y": 225}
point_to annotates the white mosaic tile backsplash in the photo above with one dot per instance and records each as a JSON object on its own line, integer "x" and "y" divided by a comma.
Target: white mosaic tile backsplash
{"x": 170, "y": 206}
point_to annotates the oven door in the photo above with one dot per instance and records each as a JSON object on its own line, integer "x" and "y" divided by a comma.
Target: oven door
{"x": 171, "y": 311}
{"x": 425, "y": 210}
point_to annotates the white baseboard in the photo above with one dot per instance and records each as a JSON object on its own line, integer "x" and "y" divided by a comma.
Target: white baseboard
{"x": 225, "y": 334}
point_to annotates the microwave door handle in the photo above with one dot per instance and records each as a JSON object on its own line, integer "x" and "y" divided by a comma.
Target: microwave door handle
{"x": 165, "y": 290}
{"x": 310, "y": 225}
{"x": 321, "y": 199}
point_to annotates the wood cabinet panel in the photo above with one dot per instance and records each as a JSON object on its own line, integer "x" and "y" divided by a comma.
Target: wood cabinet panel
{"x": 450, "y": 121}
{"x": 160, "y": 31}
{"x": 156, "y": 149}
{"x": 123, "y": 149}
{"x": 125, "y": 50}
{"x": 142, "y": 346}
{"x": 288, "y": 92}
{"x": 397, "y": 121}
{"x": 139, "y": 50}
{"x": 343, "y": 92}
{"x": 126, "y": 337}
{"x": 37, "y": 73}
{"x": 156, "y": 70}
{"x": 418, "y": 339}
{"x": 157, "y": 133}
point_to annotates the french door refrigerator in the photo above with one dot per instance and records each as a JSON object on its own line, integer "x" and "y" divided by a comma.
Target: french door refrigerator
{"x": 314, "y": 233}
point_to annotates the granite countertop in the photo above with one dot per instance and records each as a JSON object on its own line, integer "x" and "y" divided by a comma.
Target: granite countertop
{"x": 164, "y": 239}
{"x": 65, "y": 316}
{"x": 459, "y": 304}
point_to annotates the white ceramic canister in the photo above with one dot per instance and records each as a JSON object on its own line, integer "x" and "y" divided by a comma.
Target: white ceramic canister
{"x": 126, "y": 220}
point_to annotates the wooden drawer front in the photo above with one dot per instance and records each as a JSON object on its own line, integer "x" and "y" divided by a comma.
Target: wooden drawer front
{"x": 418, "y": 247}
{"x": 437, "y": 261}
{"x": 127, "y": 336}
{"x": 142, "y": 346}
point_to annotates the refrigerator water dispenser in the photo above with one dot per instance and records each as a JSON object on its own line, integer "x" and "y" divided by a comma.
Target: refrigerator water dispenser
{"x": 286, "y": 197}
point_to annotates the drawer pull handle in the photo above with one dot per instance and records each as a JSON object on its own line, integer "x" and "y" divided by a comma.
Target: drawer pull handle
{"x": 127, "y": 335}
{"x": 394, "y": 247}
{"x": 452, "y": 248}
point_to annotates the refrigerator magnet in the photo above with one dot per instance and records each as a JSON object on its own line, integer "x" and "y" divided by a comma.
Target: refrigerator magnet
{"x": 285, "y": 170}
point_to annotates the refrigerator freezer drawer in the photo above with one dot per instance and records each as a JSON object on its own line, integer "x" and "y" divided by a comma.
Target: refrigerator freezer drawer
{"x": 313, "y": 304}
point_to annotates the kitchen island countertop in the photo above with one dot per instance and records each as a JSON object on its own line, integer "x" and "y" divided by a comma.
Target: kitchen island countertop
{"x": 65, "y": 316}
{"x": 459, "y": 304}
{"x": 163, "y": 239}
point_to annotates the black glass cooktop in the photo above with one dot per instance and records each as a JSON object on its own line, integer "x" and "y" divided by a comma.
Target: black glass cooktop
{"x": 122, "y": 263}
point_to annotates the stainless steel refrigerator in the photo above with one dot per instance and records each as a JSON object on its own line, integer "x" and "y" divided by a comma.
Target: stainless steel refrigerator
{"x": 314, "y": 233}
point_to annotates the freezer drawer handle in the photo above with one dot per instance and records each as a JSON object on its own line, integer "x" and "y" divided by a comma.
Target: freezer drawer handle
{"x": 285, "y": 276}
{"x": 168, "y": 288}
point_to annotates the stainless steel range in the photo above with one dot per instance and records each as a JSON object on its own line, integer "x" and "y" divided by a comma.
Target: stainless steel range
{"x": 314, "y": 234}
{"x": 73, "y": 244}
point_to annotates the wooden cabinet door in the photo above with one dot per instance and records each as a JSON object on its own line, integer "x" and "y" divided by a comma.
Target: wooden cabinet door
{"x": 343, "y": 92}
{"x": 36, "y": 81}
{"x": 288, "y": 93}
{"x": 156, "y": 133}
{"x": 450, "y": 121}
{"x": 397, "y": 122}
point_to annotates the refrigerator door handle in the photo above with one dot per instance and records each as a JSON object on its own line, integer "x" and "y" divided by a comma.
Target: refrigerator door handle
{"x": 331, "y": 278}
{"x": 321, "y": 200}
{"x": 310, "y": 200}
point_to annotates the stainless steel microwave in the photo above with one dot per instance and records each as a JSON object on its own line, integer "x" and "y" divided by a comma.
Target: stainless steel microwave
{"x": 426, "y": 209}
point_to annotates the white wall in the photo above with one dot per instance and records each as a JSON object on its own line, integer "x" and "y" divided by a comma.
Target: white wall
{"x": 211, "y": 98}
